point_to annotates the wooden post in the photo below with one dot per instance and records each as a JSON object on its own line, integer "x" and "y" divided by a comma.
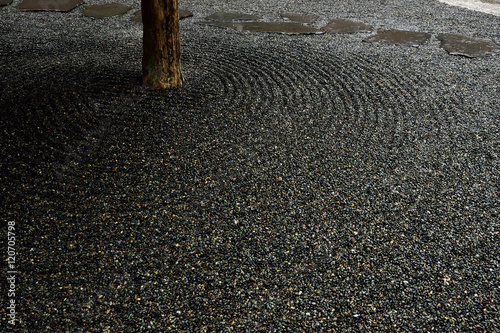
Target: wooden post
{"x": 161, "y": 59}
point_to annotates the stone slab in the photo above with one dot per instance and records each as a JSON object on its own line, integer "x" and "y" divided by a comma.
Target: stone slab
{"x": 346, "y": 26}
{"x": 457, "y": 44}
{"x": 49, "y": 5}
{"x": 106, "y": 10}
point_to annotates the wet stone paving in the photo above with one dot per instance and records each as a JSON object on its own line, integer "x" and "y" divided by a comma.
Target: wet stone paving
{"x": 326, "y": 166}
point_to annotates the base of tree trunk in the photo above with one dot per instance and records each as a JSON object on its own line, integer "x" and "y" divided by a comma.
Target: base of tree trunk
{"x": 161, "y": 60}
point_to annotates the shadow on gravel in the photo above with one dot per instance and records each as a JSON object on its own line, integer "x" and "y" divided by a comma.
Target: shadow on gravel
{"x": 58, "y": 118}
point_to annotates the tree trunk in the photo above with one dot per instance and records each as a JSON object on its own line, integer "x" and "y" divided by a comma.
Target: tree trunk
{"x": 161, "y": 59}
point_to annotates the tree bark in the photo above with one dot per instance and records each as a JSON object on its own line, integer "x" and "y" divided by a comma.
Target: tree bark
{"x": 161, "y": 60}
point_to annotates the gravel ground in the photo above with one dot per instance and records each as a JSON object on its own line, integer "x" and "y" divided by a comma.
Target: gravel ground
{"x": 293, "y": 184}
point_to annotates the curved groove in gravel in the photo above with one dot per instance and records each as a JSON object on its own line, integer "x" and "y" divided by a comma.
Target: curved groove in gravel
{"x": 288, "y": 177}
{"x": 354, "y": 94}
{"x": 351, "y": 90}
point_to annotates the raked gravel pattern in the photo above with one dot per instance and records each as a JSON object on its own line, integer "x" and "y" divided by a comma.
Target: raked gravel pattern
{"x": 292, "y": 184}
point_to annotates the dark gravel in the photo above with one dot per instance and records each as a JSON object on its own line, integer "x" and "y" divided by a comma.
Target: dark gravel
{"x": 294, "y": 183}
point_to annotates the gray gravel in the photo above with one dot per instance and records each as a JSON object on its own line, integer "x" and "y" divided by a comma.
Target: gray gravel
{"x": 294, "y": 183}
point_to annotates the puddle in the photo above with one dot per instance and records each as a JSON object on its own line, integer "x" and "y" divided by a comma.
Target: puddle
{"x": 402, "y": 37}
{"x": 345, "y": 26}
{"x": 457, "y": 44}
{"x": 224, "y": 16}
{"x": 107, "y": 10}
{"x": 5, "y": 2}
{"x": 280, "y": 27}
{"x": 301, "y": 18}
{"x": 52, "y": 5}
{"x": 137, "y": 17}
